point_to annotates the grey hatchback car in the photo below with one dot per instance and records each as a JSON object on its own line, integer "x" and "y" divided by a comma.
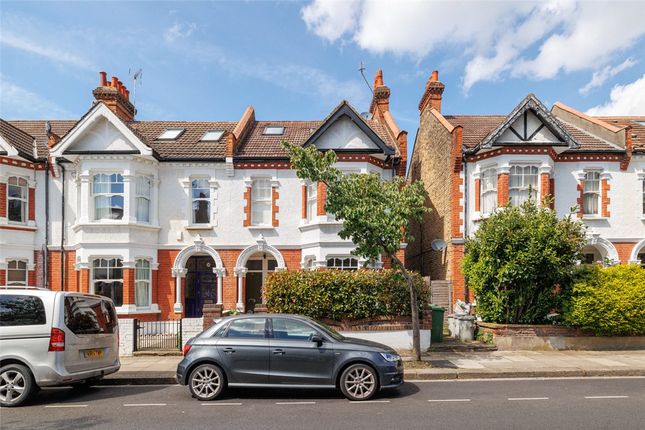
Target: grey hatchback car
{"x": 276, "y": 350}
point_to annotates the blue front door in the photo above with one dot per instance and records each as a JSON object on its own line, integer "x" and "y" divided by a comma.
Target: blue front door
{"x": 201, "y": 285}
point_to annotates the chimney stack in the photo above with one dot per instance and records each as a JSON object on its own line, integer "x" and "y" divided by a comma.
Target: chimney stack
{"x": 381, "y": 98}
{"x": 115, "y": 96}
{"x": 432, "y": 94}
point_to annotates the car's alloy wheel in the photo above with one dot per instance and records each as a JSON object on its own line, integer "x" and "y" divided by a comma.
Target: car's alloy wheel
{"x": 206, "y": 382}
{"x": 359, "y": 382}
{"x": 16, "y": 385}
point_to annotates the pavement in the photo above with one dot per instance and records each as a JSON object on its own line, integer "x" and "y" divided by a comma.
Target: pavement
{"x": 441, "y": 365}
{"x": 569, "y": 403}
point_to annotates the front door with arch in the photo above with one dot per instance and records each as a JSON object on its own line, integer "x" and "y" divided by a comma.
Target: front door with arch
{"x": 258, "y": 267}
{"x": 201, "y": 285}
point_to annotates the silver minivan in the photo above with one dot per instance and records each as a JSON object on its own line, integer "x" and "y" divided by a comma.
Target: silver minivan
{"x": 51, "y": 338}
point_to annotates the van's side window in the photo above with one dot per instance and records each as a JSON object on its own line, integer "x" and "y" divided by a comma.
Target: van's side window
{"x": 21, "y": 310}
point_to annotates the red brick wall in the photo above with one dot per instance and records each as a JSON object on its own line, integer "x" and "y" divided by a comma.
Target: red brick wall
{"x": 229, "y": 258}
{"x": 275, "y": 195}
{"x": 32, "y": 204}
{"x": 128, "y": 286}
{"x": 456, "y": 252}
{"x": 552, "y": 187}
{"x": 71, "y": 275}
{"x": 624, "y": 250}
{"x": 478, "y": 191}
{"x": 322, "y": 198}
{"x": 545, "y": 185}
{"x": 456, "y": 208}
{"x": 502, "y": 189}
{"x": 3, "y": 200}
{"x": 247, "y": 208}
{"x": 604, "y": 196}
{"x": 304, "y": 203}
{"x": 31, "y": 278}
{"x": 163, "y": 291}
{"x": 3, "y": 277}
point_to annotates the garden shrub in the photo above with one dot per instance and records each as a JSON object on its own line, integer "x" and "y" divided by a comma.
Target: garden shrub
{"x": 521, "y": 261}
{"x": 608, "y": 301}
{"x": 340, "y": 295}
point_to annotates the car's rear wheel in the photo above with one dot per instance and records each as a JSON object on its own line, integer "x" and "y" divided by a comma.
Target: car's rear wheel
{"x": 16, "y": 385}
{"x": 206, "y": 382}
{"x": 359, "y": 382}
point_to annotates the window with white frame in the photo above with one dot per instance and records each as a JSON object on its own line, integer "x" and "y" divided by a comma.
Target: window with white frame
{"x": 17, "y": 199}
{"x": 201, "y": 196}
{"x": 643, "y": 186}
{"x": 142, "y": 286}
{"x": 16, "y": 272}
{"x": 342, "y": 263}
{"x": 107, "y": 278}
{"x": 488, "y": 191}
{"x": 261, "y": 202}
{"x": 312, "y": 201}
{"x": 591, "y": 193}
{"x": 522, "y": 184}
{"x": 143, "y": 191}
{"x": 107, "y": 191}
{"x": 309, "y": 263}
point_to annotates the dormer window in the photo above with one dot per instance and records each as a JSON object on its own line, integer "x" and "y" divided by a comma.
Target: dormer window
{"x": 212, "y": 136}
{"x": 171, "y": 134}
{"x": 274, "y": 130}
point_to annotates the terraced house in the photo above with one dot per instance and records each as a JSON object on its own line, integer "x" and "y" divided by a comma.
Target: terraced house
{"x": 164, "y": 216}
{"x": 473, "y": 164}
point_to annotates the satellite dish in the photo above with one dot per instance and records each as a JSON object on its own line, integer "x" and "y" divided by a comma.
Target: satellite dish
{"x": 438, "y": 245}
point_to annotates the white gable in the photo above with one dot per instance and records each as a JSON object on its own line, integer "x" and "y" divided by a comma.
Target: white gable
{"x": 102, "y": 135}
{"x": 344, "y": 134}
{"x": 7, "y": 147}
{"x": 529, "y": 129}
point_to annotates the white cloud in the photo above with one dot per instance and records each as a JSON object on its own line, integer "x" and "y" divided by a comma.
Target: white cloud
{"x": 22, "y": 103}
{"x": 497, "y": 38}
{"x": 180, "y": 30}
{"x": 625, "y": 99}
{"x": 601, "y": 76}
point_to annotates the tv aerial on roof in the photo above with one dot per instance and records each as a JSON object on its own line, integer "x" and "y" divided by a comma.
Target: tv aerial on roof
{"x": 136, "y": 79}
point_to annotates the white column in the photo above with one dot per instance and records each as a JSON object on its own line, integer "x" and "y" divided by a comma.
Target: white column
{"x": 85, "y": 197}
{"x": 155, "y": 201}
{"x": 129, "y": 198}
{"x": 220, "y": 282}
{"x": 178, "y": 274}
{"x": 240, "y": 272}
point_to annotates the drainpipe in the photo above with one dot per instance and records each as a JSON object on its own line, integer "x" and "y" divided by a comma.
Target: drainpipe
{"x": 62, "y": 225}
{"x": 45, "y": 270}
{"x": 466, "y": 180}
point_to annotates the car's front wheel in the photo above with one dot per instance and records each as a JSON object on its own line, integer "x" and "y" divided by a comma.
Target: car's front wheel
{"x": 206, "y": 382}
{"x": 16, "y": 385}
{"x": 359, "y": 382}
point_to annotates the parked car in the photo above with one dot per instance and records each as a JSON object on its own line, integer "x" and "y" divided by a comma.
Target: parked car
{"x": 274, "y": 350}
{"x": 50, "y": 338}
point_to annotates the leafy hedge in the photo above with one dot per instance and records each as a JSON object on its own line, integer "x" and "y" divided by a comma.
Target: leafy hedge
{"x": 340, "y": 295}
{"x": 608, "y": 301}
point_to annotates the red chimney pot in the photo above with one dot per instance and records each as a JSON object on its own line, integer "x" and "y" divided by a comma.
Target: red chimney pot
{"x": 102, "y": 79}
{"x": 114, "y": 81}
{"x": 435, "y": 76}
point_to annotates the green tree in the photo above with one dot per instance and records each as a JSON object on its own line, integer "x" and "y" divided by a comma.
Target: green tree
{"x": 521, "y": 263}
{"x": 375, "y": 213}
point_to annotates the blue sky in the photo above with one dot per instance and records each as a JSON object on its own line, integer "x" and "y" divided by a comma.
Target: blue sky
{"x": 297, "y": 60}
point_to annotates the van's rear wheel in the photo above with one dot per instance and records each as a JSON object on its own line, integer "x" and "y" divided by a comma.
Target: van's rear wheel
{"x": 16, "y": 385}
{"x": 206, "y": 382}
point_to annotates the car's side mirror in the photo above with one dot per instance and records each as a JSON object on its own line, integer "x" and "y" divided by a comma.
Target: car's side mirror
{"x": 317, "y": 338}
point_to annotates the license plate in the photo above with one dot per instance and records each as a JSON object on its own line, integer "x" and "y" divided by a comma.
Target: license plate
{"x": 94, "y": 353}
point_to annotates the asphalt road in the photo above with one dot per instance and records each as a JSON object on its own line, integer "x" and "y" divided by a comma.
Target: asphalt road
{"x": 587, "y": 403}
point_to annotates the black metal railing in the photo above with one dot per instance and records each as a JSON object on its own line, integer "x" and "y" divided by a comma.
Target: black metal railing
{"x": 157, "y": 335}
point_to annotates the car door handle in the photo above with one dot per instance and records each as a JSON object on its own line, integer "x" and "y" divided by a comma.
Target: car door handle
{"x": 278, "y": 352}
{"x": 229, "y": 350}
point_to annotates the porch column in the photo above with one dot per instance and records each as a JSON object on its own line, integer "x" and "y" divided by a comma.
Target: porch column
{"x": 220, "y": 282}
{"x": 178, "y": 274}
{"x": 240, "y": 272}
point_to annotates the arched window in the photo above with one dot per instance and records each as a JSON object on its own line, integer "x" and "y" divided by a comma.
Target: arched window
{"x": 107, "y": 278}
{"x": 522, "y": 183}
{"x": 16, "y": 272}
{"x": 107, "y": 190}
{"x": 17, "y": 199}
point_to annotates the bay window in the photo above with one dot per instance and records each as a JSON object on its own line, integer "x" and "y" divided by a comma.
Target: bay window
{"x": 16, "y": 272}
{"x": 142, "y": 288}
{"x": 522, "y": 182}
{"x": 342, "y": 263}
{"x": 488, "y": 191}
{"x": 591, "y": 193}
{"x": 143, "y": 190}
{"x": 17, "y": 199}
{"x": 108, "y": 195}
{"x": 107, "y": 278}
{"x": 201, "y": 197}
{"x": 261, "y": 202}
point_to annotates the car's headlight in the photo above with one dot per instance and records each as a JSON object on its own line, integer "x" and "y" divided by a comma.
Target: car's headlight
{"x": 390, "y": 357}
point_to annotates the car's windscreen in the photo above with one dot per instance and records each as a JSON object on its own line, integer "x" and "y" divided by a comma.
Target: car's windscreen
{"x": 16, "y": 310}
{"x": 88, "y": 315}
{"x": 328, "y": 330}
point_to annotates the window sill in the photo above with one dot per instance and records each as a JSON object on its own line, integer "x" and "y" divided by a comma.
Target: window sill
{"x": 261, "y": 227}
{"x": 77, "y": 227}
{"x": 199, "y": 227}
{"x": 594, "y": 218}
{"x": 306, "y": 226}
{"x": 132, "y": 309}
{"x": 21, "y": 227}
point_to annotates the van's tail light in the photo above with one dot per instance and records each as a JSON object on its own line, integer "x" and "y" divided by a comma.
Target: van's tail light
{"x": 57, "y": 340}
{"x": 187, "y": 348}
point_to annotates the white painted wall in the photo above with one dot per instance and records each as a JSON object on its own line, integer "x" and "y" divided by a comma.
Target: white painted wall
{"x": 397, "y": 339}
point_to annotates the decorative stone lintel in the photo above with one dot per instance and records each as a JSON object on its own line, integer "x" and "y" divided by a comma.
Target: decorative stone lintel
{"x": 219, "y": 271}
{"x": 240, "y": 271}
{"x": 181, "y": 273}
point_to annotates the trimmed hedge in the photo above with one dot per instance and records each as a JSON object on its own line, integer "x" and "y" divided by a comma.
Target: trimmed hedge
{"x": 341, "y": 295}
{"x": 608, "y": 301}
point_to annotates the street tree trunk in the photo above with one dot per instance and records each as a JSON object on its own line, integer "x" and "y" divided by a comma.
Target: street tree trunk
{"x": 414, "y": 310}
